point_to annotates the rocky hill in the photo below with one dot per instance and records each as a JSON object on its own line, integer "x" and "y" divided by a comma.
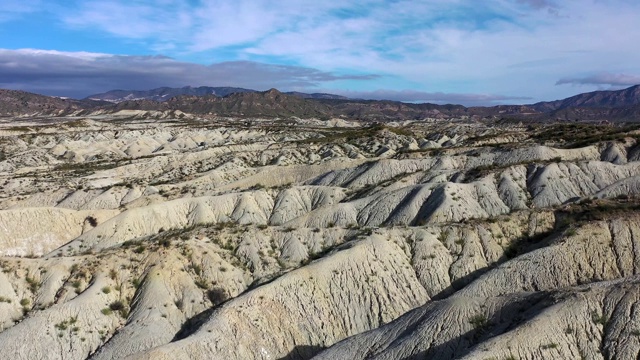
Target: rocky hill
{"x": 596, "y": 99}
{"x": 188, "y": 238}
{"x": 270, "y": 103}
{"x": 17, "y": 103}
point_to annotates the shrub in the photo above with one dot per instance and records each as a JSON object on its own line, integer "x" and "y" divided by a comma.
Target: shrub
{"x": 116, "y": 305}
{"x": 217, "y": 295}
{"x": 166, "y": 242}
{"x": 91, "y": 220}
{"x": 599, "y": 319}
{"x": 197, "y": 269}
{"x": 34, "y": 284}
{"x": 106, "y": 290}
{"x": 201, "y": 283}
{"x": 478, "y": 321}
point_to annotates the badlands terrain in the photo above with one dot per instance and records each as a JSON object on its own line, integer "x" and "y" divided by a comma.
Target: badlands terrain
{"x": 163, "y": 235}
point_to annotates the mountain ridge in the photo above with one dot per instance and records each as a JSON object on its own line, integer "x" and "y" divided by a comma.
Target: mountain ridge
{"x": 164, "y": 93}
{"x": 617, "y": 106}
{"x": 18, "y": 102}
{"x": 600, "y": 99}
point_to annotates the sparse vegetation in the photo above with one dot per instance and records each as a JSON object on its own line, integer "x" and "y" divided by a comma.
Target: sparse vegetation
{"x": 92, "y": 221}
{"x": 478, "y": 321}
{"x": 34, "y": 284}
{"x": 217, "y": 295}
{"x": 352, "y": 225}
{"x": 599, "y": 319}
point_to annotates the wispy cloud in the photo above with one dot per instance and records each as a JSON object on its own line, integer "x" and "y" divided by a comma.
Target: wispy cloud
{"x": 260, "y": 24}
{"x": 519, "y": 47}
{"x": 164, "y": 22}
{"x": 609, "y": 79}
{"x": 539, "y": 4}
{"x": 79, "y": 74}
{"x": 11, "y": 9}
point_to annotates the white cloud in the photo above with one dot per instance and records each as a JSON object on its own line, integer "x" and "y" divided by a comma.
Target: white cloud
{"x": 520, "y": 47}
{"x": 615, "y": 80}
{"x": 12, "y": 9}
{"x": 79, "y": 74}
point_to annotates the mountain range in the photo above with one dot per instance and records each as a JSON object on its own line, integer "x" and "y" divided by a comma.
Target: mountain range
{"x": 166, "y": 93}
{"x": 616, "y": 105}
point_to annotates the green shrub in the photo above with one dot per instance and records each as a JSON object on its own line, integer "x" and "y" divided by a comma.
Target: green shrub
{"x": 116, "y": 305}
{"x": 217, "y": 295}
{"x": 478, "y": 321}
{"x": 599, "y": 319}
{"x": 201, "y": 283}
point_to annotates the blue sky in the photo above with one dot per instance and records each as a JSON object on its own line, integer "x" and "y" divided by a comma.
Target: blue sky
{"x": 445, "y": 51}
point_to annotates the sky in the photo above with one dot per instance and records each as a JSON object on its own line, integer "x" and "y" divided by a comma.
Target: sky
{"x": 466, "y": 52}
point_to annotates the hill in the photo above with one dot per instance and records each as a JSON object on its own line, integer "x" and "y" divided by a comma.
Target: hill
{"x": 596, "y": 99}
{"x": 16, "y": 103}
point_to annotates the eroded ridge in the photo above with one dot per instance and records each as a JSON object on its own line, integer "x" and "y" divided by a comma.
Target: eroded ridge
{"x": 170, "y": 237}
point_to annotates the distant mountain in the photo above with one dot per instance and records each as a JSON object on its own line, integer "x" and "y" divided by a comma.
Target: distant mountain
{"x": 619, "y": 114}
{"x": 274, "y": 103}
{"x": 166, "y": 93}
{"x": 596, "y": 99}
{"x": 271, "y": 103}
{"x": 317, "y": 96}
{"x": 16, "y": 102}
{"x": 385, "y": 110}
{"x": 621, "y": 105}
